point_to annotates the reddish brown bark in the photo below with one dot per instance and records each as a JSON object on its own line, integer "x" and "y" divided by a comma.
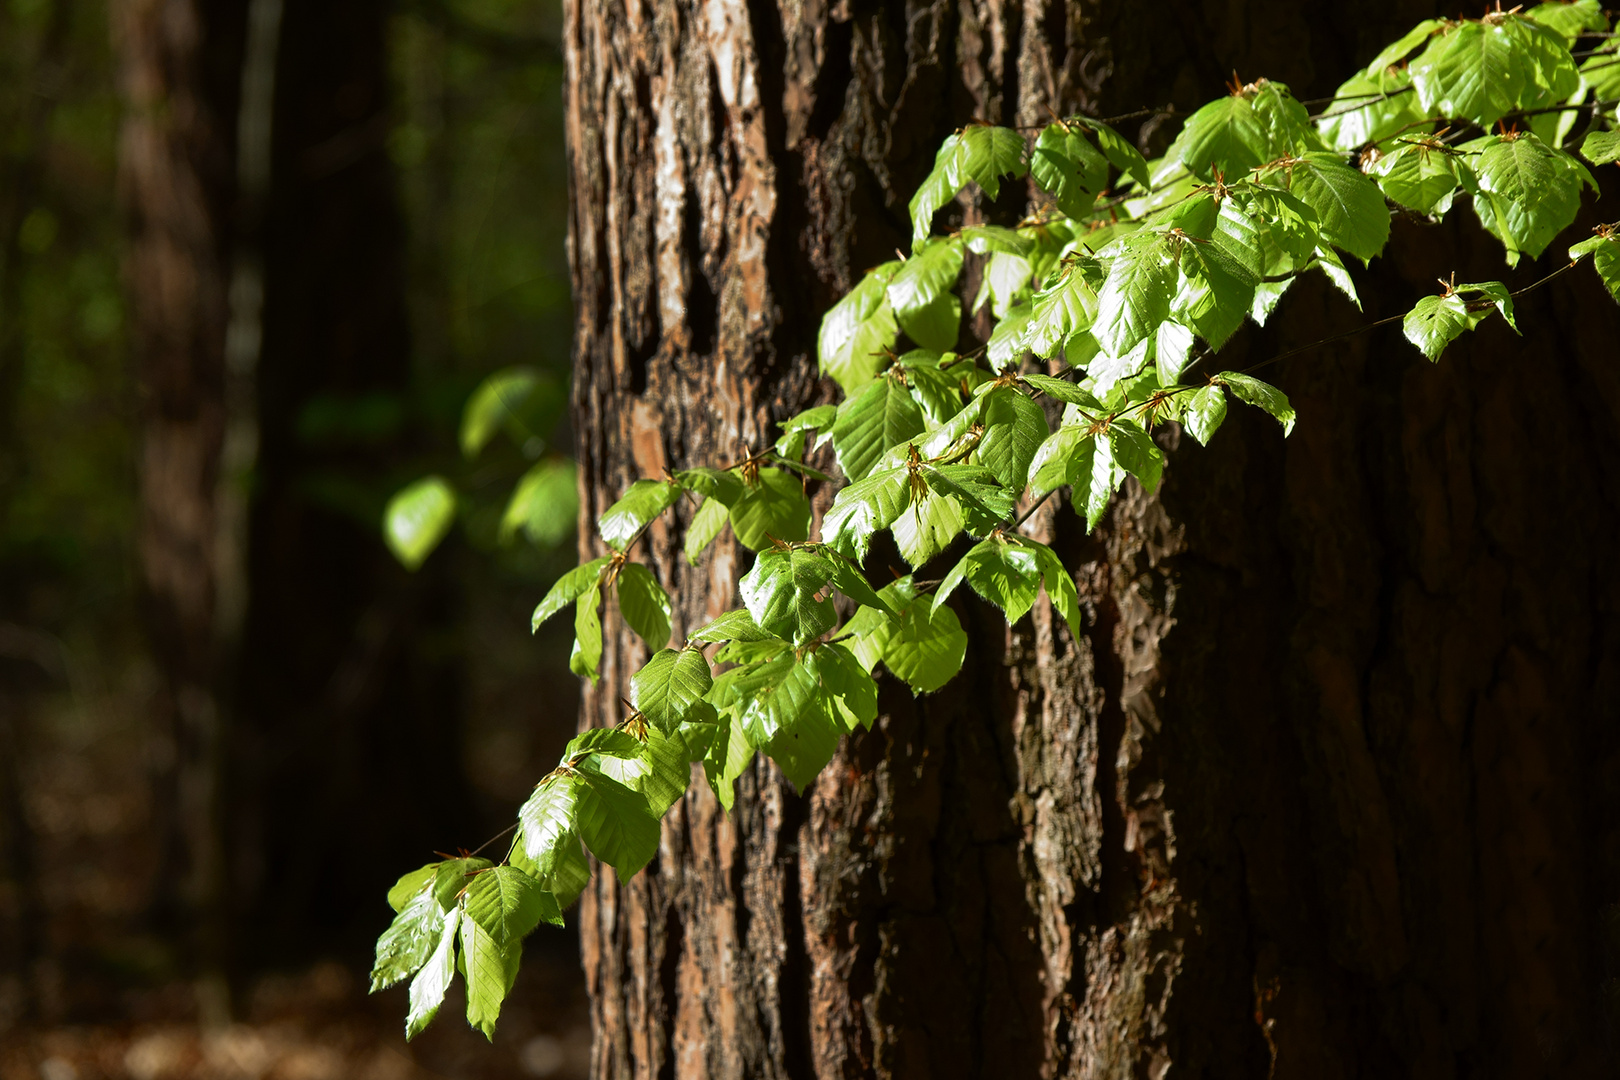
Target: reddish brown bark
{"x": 1327, "y": 787}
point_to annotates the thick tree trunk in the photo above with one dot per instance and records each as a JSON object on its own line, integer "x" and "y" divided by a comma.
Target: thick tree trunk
{"x": 1327, "y": 787}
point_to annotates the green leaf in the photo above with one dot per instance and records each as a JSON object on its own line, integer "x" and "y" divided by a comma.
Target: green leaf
{"x": 1394, "y": 53}
{"x": 490, "y": 971}
{"x": 663, "y": 771}
{"x": 1014, "y": 428}
{"x": 1418, "y": 175}
{"x": 1570, "y": 19}
{"x": 568, "y": 588}
{"x": 615, "y": 822}
{"x": 1605, "y": 251}
{"x": 1136, "y": 452}
{"x": 549, "y": 842}
{"x": 1245, "y": 130}
{"x": 1214, "y": 297}
{"x": 406, "y": 888}
{"x": 452, "y": 876}
{"x": 1006, "y": 283}
{"x": 1063, "y": 390}
{"x": 722, "y": 484}
{"x": 1068, "y": 305}
{"x": 1136, "y": 296}
{"x": 509, "y": 904}
{"x": 1479, "y": 71}
{"x": 427, "y": 989}
{"x": 936, "y": 391}
{"x": 668, "y": 685}
{"x": 706, "y": 524}
{"x": 728, "y": 756}
{"x": 1204, "y": 413}
{"x": 987, "y": 239}
{"x": 1349, "y": 207}
{"x": 732, "y": 626}
{"x": 544, "y": 504}
{"x": 847, "y": 579}
{"x": 587, "y": 652}
{"x": 924, "y": 646}
{"x": 408, "y": 942}
{"x": 1064, "y": 458}
{"x": 921, "y": 297}
{"x": 644, "y": 501}
{"x": 926, "y": 527}
{"x": 1060, "y": 590}
{"x": 417, "y": 518}
{"x": 1534, "y": 192}
{"x": 1438, "y": 320}
{"x": 985, "y": 503}
{"x": 1601, "y": 73}
{"x": 1066, "y": 164}
{"x": 610, "y": 742}
{"x": 1101, "y": 481}
{"x": 1004, "y": 573}
{"x": 644, "y": 604}
{"x": 1601, "y": 147}
{"x": 781, "y": 590}
{"x": 863, "y": 508}
{"x": 979, "y": 153}
{"x": 857, "y": 330}
{"x": 1119, "y": 152}
{"x": 1358, "y": 118}
{"x": 1260, "y": 395}
{"x": 870, "y": 422}
{"x": 773, "y": 508}
{"x": 499, "y": 399}
{"x": 1328, "y": 261}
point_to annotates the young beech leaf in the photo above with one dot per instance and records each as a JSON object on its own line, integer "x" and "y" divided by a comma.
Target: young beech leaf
{"x": 985, "y": 503}
{"x": 722, "y": 484}
{"x": 785, "y": 592}
{"x": 882, "y": 415}
{"x": 663, "y": 771}
{"x": 644, "y": 604}
{"x": 614, "y": 821}
{"x": 936, "y": 389}
{"x": 489, "y": 970}
{"x": 1478, "y": 71}
{"x": 498, "y": 399}
{"x": 408, "y": 942}
{"x": 1060, "y": 590}
{"x": 864, "y": 508}
{"x": 544, "y": 504}
{"x": 1601, "y": 147}
{"x": 732, "y": 626}
{"x": 926, "y": 527}
{"x": 452, "y": 877}
{"x": 979, "y": 153}
{"x": 987, "y": 239}
{"x": 1204, "y": 413}
{"x": 1261, "y": 395}
{"x": 858, "y": 330}
{"x": 564, "y": 872}
{"x": 773, "y": 508}
{"x": 406, "y": 888}
{"x": 729, "y": 754}
{"x": 1000, "y": 570}
{"x": 706, "y": 524}
{"x": 1214, "y": 296}
{"x": 1121, "y": 154}
{"x": 1570, "y": 19}
{"x": 1106, "y": 475}
{"x": 1135, "y": 298}
{"x": 1136, "y": 453}
{"x": 1530, "y": 191}
{"x": 1605, "y": 251}
{"x": 1417, "y": 175}
{"x": 1368, "y": 108}
{"x": 417, "y": 518}
{"x": 1063, "y": 390}
{"x": 668, "y": 685}
{"x": 508, "y": 904}
{"x": 622, "y": 522}
{"x": 920, "y": 294}
{"x": 1014, "y": 427}
{"x": 924, "y": 645}
{"x": 1393, "y": 54}
{"x": 1328, "y": 261}
{"x": 427, "y": 989}
{"x": 1260, "y": 123}
{"x": 587, "y": 653}
{"x": 1064, "y": 458}
{"x": 609, "y": 742}
{"x": 1435, "y": 321}
{"x": 1066, "y": 164}
{"x": 1349, "y": 208}
{"x": 568, "y": 588}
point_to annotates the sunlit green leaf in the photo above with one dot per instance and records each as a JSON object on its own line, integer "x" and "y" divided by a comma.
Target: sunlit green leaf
{"x": 417, "y": 518}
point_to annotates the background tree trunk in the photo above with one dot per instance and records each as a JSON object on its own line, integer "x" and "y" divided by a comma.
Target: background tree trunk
{"x": 1328, "y": 787}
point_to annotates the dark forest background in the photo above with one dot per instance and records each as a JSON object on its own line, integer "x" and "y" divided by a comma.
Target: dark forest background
{"x": 408, "y": 235}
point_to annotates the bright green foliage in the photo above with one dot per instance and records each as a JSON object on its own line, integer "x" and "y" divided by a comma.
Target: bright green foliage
{"x": 667, "y": 687}
{"x": 858, "y": 330}
{"x": 979, "y": 153}
{"x": 622, "y": 522}
{"x": 499, "y": 400}
{"x": 1525, "y": 191}
{"x": 417, "y": 518}
{"x": 544, "y": 504}
{"x": 1106, "y": 308}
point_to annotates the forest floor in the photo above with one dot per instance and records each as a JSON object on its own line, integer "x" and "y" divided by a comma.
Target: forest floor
{"x": 318, "y": 1025}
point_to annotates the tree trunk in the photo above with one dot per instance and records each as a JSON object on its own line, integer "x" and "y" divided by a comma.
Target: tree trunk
{"x": 1327, "y": 788}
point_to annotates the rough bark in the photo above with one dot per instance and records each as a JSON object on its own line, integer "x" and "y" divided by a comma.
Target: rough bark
{"x": 1326, "y": 788}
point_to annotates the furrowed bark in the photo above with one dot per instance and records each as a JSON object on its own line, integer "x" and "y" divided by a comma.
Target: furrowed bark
{"x": 1325, "y": 789}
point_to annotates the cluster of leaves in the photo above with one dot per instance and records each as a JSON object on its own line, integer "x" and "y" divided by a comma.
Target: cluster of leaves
{"x": 544, "y": 503}
{"x": 1130, "y": 274}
